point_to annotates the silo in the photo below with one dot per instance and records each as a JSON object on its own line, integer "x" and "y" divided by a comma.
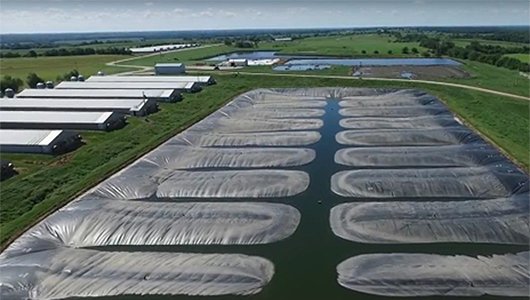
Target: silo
{"x": 10, "y": 93}
{"x": 40, "y": 85}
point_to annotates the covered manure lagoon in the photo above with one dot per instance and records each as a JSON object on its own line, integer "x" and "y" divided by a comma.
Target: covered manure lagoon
{"x": 324, "y": 193}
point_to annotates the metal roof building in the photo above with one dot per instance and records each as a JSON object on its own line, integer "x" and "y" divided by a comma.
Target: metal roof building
{"x": 135, "y": 107}
{"x": 165, "y": 95}
{"x": 179, "y": 86}
{"x": 202, "y": 80}
{"x": 38, "y": 141}
{"x": 61, "y": 120}
{"x": 169, "y": 68}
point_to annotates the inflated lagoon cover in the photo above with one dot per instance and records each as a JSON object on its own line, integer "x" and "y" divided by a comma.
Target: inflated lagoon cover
{"x": 418, "y": 175}
{"x": 411, "y": 275}
{"x": 66, "y": 272}
{"x": 501, "y": 221}
{"x": 428, "y": 156}
{"x": 466, "y": 182}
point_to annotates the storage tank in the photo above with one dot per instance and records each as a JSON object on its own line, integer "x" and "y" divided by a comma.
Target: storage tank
{"x": 49, "y": 84}
{"x": 40, "y": 85}
{"x": 9, "y": 93}
{"x": 73, "y": 78}
{"x": 80, "y": 78}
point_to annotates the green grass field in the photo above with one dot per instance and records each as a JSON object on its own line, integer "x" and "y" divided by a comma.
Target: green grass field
{"x": 350, "y": 45}
{"x": 46, "y": 183}
{"x": 520, "y": 56}
{"x": 495, "y": 78}
{"x": 50, "y": 67}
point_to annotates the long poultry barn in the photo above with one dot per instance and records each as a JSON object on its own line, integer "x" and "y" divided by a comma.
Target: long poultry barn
{"x": 135, "y": 107}
{"x": 38, "y": 141}
{"x": 61, "y": 120}
{"x": 160, "y": 95}
{"x": 202, "y": 80}
{"x": 183, "y": 87}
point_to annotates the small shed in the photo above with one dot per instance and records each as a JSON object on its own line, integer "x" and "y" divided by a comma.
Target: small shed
{"x": 38, "y": 141}
{"x": 170, "y": 68}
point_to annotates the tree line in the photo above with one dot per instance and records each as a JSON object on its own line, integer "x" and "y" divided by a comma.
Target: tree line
{"x": 32, "y": 80}
{"x": 69, "y": 52}
{"x": 490, "y": 54}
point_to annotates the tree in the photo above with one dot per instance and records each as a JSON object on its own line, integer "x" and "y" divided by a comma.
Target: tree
{"x": 376, "y": 52}
{"x": 33, "y": 79}
{"x": 389, "y": 52}
{"x": 31, "y": 53}
{"x": 414, "y": 50}
{"x": 10, "y": 82}
{"x": 363, "y": 51}
{"x": 405, "y": 50}
{"x": 228, "y": 42}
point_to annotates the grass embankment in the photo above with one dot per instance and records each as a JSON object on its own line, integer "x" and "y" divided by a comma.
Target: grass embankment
{"x": 495, "y": 78}
{"x": 48, "y": 183}
{"x": 524, "y": 57}
{"x": 48, "y": 68}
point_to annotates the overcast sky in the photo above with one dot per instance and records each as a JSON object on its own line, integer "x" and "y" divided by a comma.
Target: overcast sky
{"x": 31, "y": 16}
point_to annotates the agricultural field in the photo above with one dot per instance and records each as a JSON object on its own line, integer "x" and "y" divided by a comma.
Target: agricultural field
{"x": 45, "y": 184}
{"x": 50, "y": 67}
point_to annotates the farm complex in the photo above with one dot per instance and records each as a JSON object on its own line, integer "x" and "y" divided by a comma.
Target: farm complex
{"x": 337, "y": 166}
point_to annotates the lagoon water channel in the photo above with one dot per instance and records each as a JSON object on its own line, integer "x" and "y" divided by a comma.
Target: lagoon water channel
{"x": 305, "y": 263}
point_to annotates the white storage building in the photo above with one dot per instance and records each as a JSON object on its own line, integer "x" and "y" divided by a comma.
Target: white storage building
{"x": 38, "y": 141}
{"x": 238, "y": 62}
{"x": 169, "y": 68}
{"x": 166, "y": 95}
{"x": 135, "y": 107}
{"x": 183, "y": 86}
{"x": 61, "y": 120}
{"x": 202, "y": 80}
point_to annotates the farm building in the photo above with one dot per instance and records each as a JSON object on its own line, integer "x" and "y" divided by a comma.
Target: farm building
{"x": 165, "y": 95}
{"x": 238, "y": 62}
{"x": 61, "y": 120}
{"x": 7, "y": 169}
{"x": 202, "y": 80}
{"x": 135, "y": 107}
{"x": 38, "y": 141}
{"x": 169, "y": 68}
{"x": 161, "y": 48}
{"x": 183, "y": 86}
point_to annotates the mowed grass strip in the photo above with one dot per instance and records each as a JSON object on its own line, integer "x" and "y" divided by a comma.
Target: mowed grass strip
{"x": 48, "y": 68}
{"x": 50, "y": 183}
